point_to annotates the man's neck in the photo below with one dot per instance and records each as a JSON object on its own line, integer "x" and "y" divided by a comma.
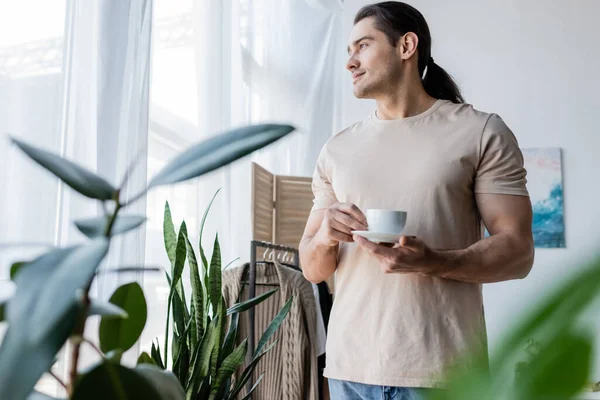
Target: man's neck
{"x": 403, "y": 104}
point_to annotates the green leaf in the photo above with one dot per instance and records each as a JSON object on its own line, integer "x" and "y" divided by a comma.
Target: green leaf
{"x": 96, "y": 227}
{"x": 114, "y": 356}
{"x": 253, "y": 388}
{"x": 218, "y": 151}
{"x": 155, "y": 352}
{"x": 123, "y": 333}
{"x": 30, "y": 281}
{"x": 231, "y": 337}
{"x": 164, "y": 382}
{"x": 106, "y": 310}
{"x": 2, "y": 308}
{"x": 145, "y": 358}
{"x": 231, "y": 363}
{"x": 560, "y": 370}
{"x": 201, "y": 360}
{"x": 58, "y": 294}
{"x": 239, "y": 385}
{"x": 15, "y": 268}
{"x": 169, "y": 235}
{"x": 274, "y": 325}
{"x": 192, "y": 339}
{"x": 214, "y": 277}
{"x": 198, "y": 304}
{"x": 202, "y": 222}
{"x": 78, "y": 178}
{"x": 114, "y": 381}
{"x": 22, "y": 363}
{"x": 219, "y": 338}
{"x": 248, "y": 304}
{"x": 181, "y": 354}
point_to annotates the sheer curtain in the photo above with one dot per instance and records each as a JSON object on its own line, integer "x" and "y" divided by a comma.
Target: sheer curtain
{"x": 74, "y": 79}
{"x": 221, "y": 64}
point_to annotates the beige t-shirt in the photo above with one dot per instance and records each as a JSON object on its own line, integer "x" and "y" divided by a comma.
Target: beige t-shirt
{"x": 406, "y": 329}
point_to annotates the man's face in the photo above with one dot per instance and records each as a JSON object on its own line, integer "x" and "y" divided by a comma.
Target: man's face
{"x": 374, "y": 64}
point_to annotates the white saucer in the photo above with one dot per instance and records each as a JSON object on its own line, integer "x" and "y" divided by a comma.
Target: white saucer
{"x": 379, "y": 237}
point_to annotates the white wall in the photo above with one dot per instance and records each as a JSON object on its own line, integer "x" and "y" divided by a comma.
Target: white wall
{"x": 537, "y": 65}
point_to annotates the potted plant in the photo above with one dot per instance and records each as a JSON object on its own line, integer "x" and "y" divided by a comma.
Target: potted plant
{"x": 51, "y": 303}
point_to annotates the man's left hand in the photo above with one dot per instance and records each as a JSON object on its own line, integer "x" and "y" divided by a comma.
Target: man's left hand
{"x": 410, "y": 254}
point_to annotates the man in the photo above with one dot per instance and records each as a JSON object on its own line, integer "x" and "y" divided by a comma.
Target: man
{"x": 403, "y": 315}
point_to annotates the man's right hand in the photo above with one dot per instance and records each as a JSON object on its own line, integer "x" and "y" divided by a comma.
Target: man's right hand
{"x": 338, "y": 223}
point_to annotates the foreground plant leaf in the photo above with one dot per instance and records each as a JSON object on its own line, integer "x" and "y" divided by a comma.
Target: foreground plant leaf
{"x": 78, "y": 178}
{"x": 123, "y": 333}
{"x": 217, "y": 151}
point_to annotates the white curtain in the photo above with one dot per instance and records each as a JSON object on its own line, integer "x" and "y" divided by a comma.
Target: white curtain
{"x": 75, "y": 79}
{"x": 222, "y": 64}
{"x": 89, "y": 105}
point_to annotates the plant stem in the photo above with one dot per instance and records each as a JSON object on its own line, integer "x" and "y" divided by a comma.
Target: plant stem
{"x": 80, "y": 324}
{"x": 57, "y": 379}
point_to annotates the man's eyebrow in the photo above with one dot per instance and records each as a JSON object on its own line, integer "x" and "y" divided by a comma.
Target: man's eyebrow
{"x": 361, "y": 39}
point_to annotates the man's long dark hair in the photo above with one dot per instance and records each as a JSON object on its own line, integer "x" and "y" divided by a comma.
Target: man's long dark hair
{"x": 395, "y": 19}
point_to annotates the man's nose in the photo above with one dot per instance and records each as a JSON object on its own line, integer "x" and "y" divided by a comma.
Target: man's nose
{"x": 352, "y": 64}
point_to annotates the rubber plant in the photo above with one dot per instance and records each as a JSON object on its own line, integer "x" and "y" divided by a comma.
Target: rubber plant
{"x": 51, "y": 303}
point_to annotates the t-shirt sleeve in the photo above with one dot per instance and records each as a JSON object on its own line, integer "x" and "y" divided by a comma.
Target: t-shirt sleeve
{"x": 324, "y": 196}
{"x": 500, "y": 169}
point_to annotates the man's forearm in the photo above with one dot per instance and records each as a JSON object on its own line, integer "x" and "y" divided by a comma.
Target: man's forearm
{"x": 318, "y": 261}
{"x": 498, "y": 258}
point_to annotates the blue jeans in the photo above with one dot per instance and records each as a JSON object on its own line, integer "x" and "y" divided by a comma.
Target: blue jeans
{"x": 344, "y": 390}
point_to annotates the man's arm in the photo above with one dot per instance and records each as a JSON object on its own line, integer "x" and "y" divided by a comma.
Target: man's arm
{"x": 325, "y": 229}
{"x": 506, "y": 254}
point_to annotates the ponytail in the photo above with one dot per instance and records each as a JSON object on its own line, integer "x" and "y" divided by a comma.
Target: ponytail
{"x": 440, "y": 85}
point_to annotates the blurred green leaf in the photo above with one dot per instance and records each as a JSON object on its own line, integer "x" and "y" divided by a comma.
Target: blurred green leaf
{"x": 560, "y": 370}
{"x": 30, "y": 280}
{"x": 218, "y": 151}
{"x": 22, "y": 363}
{"x": 170, "y": 238}
{"x": 248, "y": 304}
{"x": 106, "y": 310}
{"x": 214, "y": 276}
{"x": 145, "y": 358}
{"x": 78, "y": 178}
{"x": 123, "y": 333}
{"x": 164, "y": 382}
{"x": 58, "y": 294}
{"x": 2, "y": 308}
{"x": 231, "y": 363}
{"x": 15, "y": 268}
{"x": 114, "y": 356}
{"x": 96, "y": 227}
{"x": 114, "y": 381}
{"x": 274, "y": 325}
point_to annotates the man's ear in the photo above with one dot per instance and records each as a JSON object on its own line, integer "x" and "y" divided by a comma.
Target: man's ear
{"x": 408, "y": 44}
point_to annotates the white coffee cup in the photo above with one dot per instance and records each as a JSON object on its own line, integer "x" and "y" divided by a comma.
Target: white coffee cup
{"x": 386, "y": 221}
